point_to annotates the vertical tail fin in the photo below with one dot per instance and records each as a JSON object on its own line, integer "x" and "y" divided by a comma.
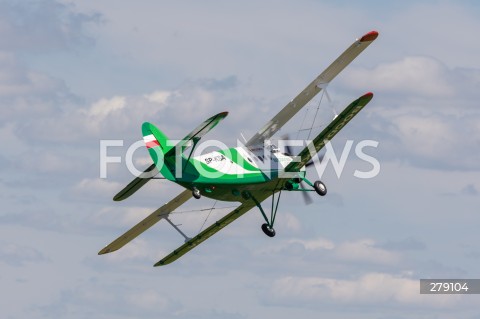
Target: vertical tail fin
{"x": 158, "y": 145}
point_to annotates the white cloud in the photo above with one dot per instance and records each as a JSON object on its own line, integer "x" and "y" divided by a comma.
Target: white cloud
{"x": 30, "y": 28}
{"x": 443, "y": 140}
{"x": 50, "y": 162}
{"x": 119, "y": 216}
{"x": 17, "y": 255}
{"x": 46, "y": 25}
{"x": 364, "y": 250}
{"x": 103, "y": 107}
{"x": 16, "y": 81}
{"x": 144, "y": 161}
{"x": 291, "y": 222}
{"x": 418, "y": 125}
{"x": 26, "y": 94}
{"x": 426, "y": 135}
{"x": 148, "y": 299}
{"x": 420, "y": 28}
{"x": 379, "y": 289}
{"x": 122, "y": 116}
{"x": 412, "y": 75}
{"x": 109, "y": 299}
{"x": 101, "y": 110}
{"x": 137, "y": 252}
{"x": 359, "y": 251}
{"x": 161, "y": 97}
{"x": 89, "y": 188}
{"x": 314, "y": 244}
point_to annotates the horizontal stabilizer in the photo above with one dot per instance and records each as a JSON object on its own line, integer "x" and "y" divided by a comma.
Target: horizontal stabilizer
{"x": 198, "y": 133}
{"x": 137, "y": 183}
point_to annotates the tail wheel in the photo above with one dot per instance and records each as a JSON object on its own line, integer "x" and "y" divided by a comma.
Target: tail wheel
{"x": 320, "y": 188}
{"x": 270, "y": 232}
{"x": 196, "y": 193}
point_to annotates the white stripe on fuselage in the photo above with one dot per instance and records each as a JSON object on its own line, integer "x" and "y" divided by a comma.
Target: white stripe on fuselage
{"x": 221, "y": 163}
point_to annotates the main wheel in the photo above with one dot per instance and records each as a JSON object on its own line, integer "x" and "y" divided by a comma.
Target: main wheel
{"x": 320, "y": 188}
{"x": 270, "y": 232}
{"x": 196, "y": 193}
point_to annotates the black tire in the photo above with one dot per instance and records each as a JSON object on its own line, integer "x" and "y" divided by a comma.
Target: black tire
{"x": 320, "y": 188}
{"x": 270, "y": 232}
{"x": 196, "y": 193}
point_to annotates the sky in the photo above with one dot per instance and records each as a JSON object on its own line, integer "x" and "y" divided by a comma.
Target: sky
{"x": 73, "y": 73}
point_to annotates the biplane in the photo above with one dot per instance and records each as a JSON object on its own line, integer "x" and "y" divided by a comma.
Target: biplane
{"x": 248, "y": 174}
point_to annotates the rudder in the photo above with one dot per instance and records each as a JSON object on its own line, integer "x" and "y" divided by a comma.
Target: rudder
{"x": 158, "y": 145}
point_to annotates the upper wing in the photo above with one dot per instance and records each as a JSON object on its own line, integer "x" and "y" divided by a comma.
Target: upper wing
{"x": 148, "y": 222}
{"x": 198, "y": 132}
{"x": 312, "y": 89}
{"x": 207, "y": 233}
{"x": 329, "y": 132}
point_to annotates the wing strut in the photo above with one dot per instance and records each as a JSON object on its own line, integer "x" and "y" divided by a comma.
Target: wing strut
{"x": 207, "y": 233}
{"x": 177, "y": 229}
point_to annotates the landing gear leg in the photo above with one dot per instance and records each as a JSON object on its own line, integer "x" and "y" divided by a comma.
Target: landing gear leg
{"x": 196, "y": 193}
{"x": 268, "y": 226}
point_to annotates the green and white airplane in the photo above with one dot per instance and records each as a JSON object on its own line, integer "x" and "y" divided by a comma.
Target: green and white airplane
{"x": 248, "y": 174}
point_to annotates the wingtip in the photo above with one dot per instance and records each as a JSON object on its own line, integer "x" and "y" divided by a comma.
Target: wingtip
{"x": 103, "y": 251}
{"x": 366, "y": 97}
{"x": 370, "y": 36}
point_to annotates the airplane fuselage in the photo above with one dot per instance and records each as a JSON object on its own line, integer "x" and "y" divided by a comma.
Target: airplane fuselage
{"x": 231, "y": 173}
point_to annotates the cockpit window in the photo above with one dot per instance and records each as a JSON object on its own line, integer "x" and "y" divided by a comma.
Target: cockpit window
{"x": 273, "y": 148}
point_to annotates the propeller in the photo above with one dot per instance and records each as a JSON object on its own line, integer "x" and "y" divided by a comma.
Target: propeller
{"x": 306, "y": 196}
{"x": 288, "y": 150}
{"x": 312, "y": 161}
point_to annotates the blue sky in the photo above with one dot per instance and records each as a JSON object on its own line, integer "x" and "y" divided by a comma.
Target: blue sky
{"x": 74, "y": 73}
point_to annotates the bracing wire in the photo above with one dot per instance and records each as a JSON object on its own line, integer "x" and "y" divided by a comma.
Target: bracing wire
{"x": 303, "y": 122}
{"x": 201, "y": 210}
{"x": 213, "y": 207}
{"x": 316, "y": 113}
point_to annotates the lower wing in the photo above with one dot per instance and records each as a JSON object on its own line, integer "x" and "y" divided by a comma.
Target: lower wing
{"x": 147, "y": 222}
